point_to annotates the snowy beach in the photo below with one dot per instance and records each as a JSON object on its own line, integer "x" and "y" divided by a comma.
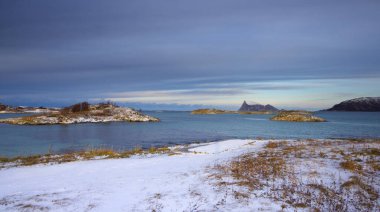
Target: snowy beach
{"x": 180, "y": 182}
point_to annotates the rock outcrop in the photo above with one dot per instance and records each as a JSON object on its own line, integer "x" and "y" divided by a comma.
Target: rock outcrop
{"x": 256, "y": 107}
{"x": 83, "y": 113}
{"x": 296, "y": 116}
{"x": 370, "y": 104}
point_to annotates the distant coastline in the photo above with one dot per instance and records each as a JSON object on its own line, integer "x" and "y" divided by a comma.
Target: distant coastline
{"x": 212, "y": 111}
{"x": 5, "y": 109}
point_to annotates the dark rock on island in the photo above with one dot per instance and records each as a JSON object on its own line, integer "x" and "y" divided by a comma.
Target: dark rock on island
{"x": 256, "y": 107}
{"x": 83, "y": 113}
{"x": 370, "y": 104}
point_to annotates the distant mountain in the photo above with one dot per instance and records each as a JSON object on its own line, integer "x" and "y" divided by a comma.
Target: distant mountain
{"x": 370, "y": 104}
{"x": 256, "y": 107}
{"x": 21, "y": 109}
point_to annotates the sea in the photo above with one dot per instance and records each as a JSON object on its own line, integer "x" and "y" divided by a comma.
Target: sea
{"x": 178, "y": 128}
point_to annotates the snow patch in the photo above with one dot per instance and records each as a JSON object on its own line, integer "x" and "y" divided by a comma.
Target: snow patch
{"x": 169, "y": 183}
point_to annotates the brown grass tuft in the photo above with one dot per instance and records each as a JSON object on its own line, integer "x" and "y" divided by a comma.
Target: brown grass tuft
{"x": 272, "y": 144}
{"x": 351, "y": 166}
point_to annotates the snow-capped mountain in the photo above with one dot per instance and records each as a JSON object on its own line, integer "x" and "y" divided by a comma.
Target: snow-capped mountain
{"x": 358, "y": 104}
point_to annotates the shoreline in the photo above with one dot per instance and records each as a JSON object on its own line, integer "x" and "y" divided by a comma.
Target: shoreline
{"x": 109, "y": 152}
{"x": 197, "y": 178}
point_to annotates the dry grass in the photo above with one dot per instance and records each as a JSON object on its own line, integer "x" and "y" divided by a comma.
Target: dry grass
{"x": 355, "y": 181}
{"x": 375, "y": 165}
{"x": 93, "y": 153}
{"x": 248, "y": 170}
{"x": 351, "y": 166}
{"x": 272, "y": 144}
{"x": 274, "y": 173}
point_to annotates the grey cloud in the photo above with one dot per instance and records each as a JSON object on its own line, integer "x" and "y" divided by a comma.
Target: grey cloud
{"x": 84, "y": 48}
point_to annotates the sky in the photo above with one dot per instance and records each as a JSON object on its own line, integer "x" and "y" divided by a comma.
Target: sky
{"x": 181, "y": 55}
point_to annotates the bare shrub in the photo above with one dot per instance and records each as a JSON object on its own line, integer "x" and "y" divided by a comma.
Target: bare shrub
{"x": 79, "y": 107}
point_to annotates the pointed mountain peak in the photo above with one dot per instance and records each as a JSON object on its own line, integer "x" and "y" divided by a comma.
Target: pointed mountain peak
{"x": 256, "y": 107}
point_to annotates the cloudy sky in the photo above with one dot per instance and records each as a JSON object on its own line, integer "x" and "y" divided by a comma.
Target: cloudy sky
{"x": 173, "y": 54}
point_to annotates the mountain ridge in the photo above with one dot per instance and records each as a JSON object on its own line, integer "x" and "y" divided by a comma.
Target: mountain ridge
{"x": 370, "y": 104}
{"x": 256, "y": 107}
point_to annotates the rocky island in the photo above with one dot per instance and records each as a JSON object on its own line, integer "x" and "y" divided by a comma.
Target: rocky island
{"x": 83, "y": 113}
{"x": 212, "y": 111}
{"x": 369, "y": 104}
{"x": 244, "y": 109}
{"x": 22, "y": 109}
{"x": 256, "y": 107}
{"x": 296, "y": 116}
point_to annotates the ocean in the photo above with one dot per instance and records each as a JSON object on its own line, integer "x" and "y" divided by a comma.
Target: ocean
{"x": 178, "y": 128}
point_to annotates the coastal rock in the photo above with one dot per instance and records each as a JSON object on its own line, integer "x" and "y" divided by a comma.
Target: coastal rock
{"x": 296, "y": 116}
{"x": 256, "y": 107}
{"x": 83, "y": 113}
{"x": 370, "y": 104}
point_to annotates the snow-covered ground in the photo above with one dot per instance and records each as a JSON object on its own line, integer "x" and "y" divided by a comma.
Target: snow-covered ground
{"x": 199, "y": 178}
{"x": 157, "y": 182}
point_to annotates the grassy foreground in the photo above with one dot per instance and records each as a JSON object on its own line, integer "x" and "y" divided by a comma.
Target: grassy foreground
{"x": 330, "y": 175}
{"x": 240, "y": 175}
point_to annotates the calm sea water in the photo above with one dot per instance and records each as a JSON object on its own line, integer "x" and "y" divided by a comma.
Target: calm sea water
{"x": 179, "y": 128}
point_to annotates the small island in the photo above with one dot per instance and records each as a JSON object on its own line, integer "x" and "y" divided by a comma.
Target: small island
{"x": 296, "y": 116}
{"x": 256, "y": 108}
{"x": 244, "y": 109}
{"x": 213, "y": 111}
{"x": 83, "y": 113}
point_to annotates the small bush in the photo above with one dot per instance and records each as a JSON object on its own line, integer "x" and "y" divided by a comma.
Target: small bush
{"x": 80, "y": 107}
{"x": 351, "y": 166}
{"x": 322, "y": 154}
{"x": 272, "y": 145}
